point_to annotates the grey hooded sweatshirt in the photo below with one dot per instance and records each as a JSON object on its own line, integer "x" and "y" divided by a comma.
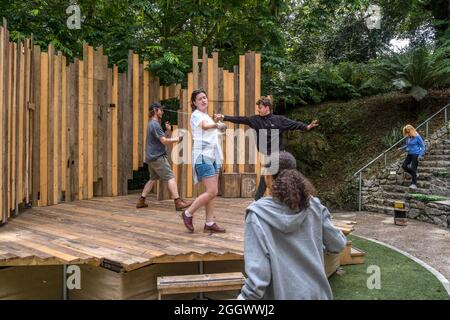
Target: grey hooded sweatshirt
{"x": 284, "y": 251}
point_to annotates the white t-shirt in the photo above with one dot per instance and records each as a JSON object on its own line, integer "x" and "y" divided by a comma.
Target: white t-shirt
{"x": 206, "y": 142}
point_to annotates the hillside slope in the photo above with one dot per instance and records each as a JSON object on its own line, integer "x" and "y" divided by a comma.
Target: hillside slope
{"x": 351, "y": 134}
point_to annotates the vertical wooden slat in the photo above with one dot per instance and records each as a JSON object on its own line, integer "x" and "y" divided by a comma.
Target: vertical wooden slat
{"x": 257, "y": 76}
{"x": 135, "y": 118}
{"x": 63, "y": 146}
{"x": 195, "y": 74}
{"x": 35, "y": 156}
{"x": 50, "y": 128}
{"x": 211, "y": 86}
{"x": 2, "y": 124}
{"x": 140, "y": 117}
{"x": 189, "y": 151}
{"x": 28, "y": 125}
{"x": 96, "y": 121}
{"x": 205, "y": 70}
{"x": 241, "y": 153}
{"x": 81, "y": 129}
{"x": 57, "y": 129}
{"x": 21, "y": 122}
{"x": 43, "y": 115}
{"x": 114, "y": 137}
{"x": 145, "y": 105}
{"x": 90, "y": 122}
{"x": 75, "y": 148}
{"x": 249, "y": 104}
{"x": 13, "y": 125}
{"x": 229, "y": 110}
{"x": 107, "y": 163}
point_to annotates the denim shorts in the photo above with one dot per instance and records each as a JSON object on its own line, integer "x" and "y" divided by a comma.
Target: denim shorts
{"x": 206, "y": 167}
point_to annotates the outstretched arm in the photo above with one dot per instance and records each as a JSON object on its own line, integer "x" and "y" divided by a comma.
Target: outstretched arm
{"x": 288, "y": 124}
{"x": 233, "y": 119}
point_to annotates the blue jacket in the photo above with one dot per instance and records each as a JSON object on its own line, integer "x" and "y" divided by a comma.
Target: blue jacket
{"x": 415, "y": 146}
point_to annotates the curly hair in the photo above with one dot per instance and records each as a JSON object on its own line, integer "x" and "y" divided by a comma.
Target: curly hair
{"x": 293, "y": 189}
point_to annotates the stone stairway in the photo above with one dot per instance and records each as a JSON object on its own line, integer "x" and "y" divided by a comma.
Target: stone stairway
{"x": 382, "y": 189}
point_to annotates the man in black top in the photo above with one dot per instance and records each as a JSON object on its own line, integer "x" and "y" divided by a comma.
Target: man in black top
{"x": 267, "y": 125}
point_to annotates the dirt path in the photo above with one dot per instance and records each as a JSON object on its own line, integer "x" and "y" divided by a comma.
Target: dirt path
{"x": 425, "y": 241}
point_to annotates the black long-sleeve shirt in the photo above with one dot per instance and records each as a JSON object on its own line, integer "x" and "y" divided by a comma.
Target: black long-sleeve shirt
{"x": 265, "y": 126}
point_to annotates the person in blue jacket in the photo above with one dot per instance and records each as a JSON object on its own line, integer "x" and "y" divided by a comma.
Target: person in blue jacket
{"x": 415, "y": 147}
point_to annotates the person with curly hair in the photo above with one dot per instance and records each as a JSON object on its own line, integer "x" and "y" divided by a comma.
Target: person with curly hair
{"x": 285, "y": 237}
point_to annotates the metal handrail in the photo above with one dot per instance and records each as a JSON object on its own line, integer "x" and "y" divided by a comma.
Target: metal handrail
{"x": 384, "y": 153}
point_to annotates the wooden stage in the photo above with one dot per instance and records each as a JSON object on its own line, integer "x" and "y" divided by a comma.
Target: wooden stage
{"x": 121, "y": 250}
{"x": 112, "y": 229}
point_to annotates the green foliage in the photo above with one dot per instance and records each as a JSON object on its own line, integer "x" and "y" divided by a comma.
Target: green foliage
{"x": 442, "y": 174}
{"x": 312, "y": 84}
{"x": 418, "y": 69}
{"x": 426, "y": 197}
{"x": 309, "y": 149}
{"x": 392, "y": 137}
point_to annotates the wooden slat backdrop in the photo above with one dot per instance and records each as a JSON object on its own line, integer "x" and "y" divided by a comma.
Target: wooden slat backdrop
{"x": 75, "y": 130}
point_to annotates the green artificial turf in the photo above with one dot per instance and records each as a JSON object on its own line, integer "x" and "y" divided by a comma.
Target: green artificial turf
{"x": 401, "y": 277}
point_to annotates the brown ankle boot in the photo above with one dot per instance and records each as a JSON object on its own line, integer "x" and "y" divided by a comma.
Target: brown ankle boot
{"x": 141, "y": 203}
{"x": 181, "y": 204}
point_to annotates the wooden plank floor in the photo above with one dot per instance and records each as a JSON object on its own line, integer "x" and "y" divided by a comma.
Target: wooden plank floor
{"x": 90, "y": 231}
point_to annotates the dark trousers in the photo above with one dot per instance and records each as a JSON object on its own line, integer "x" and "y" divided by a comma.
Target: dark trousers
{"x": 413, "y": 160}
{"x": 261, "y": 188}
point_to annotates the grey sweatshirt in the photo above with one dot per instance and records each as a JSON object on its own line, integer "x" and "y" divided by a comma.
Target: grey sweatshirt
{"x": 284, "y": 251}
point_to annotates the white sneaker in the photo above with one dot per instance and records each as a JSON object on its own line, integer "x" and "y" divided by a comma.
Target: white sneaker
{"x": 413, "y": 186}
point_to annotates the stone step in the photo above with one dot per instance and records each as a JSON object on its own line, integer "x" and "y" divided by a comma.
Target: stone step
{"x": 437, "y": 157}
{"x": 433, "y": 163}
{"x": 404, "y": 189}
{"x": 386, "y": 202}
{"x": 380, "y": 209}
{"x": 396, "y": 195}
{"x": 422, "y": 169}
{"x": 420, "y": 184}
{"x": 439, "y": 151}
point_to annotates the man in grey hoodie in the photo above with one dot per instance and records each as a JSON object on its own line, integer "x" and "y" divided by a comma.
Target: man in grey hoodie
{"x": 284, "y": 243}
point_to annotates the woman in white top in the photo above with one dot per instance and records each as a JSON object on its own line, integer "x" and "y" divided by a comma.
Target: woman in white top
{"x": 206, "y": 160}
